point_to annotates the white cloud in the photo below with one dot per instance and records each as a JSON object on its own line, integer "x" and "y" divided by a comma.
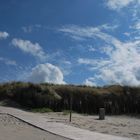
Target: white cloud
{"x": 79, "y": 33}
{"x": 88, "y": 32}
{"x": 108, "y": 27}
{"x": 27, "y": 46}
{"x": 91, "y": 48}
{"x": 66, "y": 62}
{"x": 118, "y": 4}
{"x": 65, "y": 66}
{"x": 129, "y": 9}
{"x": 29, "y": 29}
{"x": 46, "y": 73}
{"x": 127, "y": 34}
{"x": 122, "y": 62}
{"x": 132, "y": 7}
{"x": 3, "y": 35}
{"x": 94, "y": 63}
{"x": 90, "y": 82}
{"x": 137, "y": 25}
{"x": 7, "y": 61}
{"x": 107, "y": 50}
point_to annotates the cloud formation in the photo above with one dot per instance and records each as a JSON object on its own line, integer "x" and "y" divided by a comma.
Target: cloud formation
{"x": 121, "y": 64}
{"x": 30, "y": 28}
{"x": 46, "y": 73}
{"x": 3, "y": 35}
{"x": 90, "y": 82}
{"x": 27, "y": 46}
{"x": 7, "y": 61}
{"x": 118, "y": 4}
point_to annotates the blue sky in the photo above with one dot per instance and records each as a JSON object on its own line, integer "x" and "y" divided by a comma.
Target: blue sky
{"x": 91, "y": 42}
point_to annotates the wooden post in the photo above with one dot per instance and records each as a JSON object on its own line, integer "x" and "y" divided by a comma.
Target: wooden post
{"x": 70, "y": 108}
{"x": 101, "y": 114}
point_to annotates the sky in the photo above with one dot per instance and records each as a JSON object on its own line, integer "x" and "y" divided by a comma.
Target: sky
{"x": 82, "y": 42}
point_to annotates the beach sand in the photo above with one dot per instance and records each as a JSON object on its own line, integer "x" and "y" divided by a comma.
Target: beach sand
{"x": 14, "y": 129}
{"x": 125, "y": 126}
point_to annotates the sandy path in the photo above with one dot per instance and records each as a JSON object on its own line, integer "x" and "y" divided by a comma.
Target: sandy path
{"x": 13, "y": 129}
{"x": 115, "y": 125}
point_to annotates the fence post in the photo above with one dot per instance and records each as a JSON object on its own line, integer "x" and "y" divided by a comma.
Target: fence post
{"x": 101, "y": 114}
{"x": 70, "y": 108}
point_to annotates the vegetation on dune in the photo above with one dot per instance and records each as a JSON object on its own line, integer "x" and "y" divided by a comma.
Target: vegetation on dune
{"x": 115, "y": 99}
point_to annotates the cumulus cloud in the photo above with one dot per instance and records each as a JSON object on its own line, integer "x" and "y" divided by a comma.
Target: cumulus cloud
{"x": 46, "y": 73}
{"x": 121, "y": 64}
{"x": 3, "y": 35}
{"x": 27, "y": 46}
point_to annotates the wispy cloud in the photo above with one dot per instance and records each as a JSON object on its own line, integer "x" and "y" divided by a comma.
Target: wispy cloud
{"x": 91, "y": 48}
{"x": 122, "y": 62}
{"x": 132, "y": 7}
{"x": 35, "y": 27}
{"x": 86, "y": 32}
{"x": 118, "y": 4}
{"x": 27, "y": 46}
{"x": 94, "y": 63}
{"x": 30, "y": 28}
{"x": 108, "y": 27}
{"x": 136, "y": 25}
{"x": 130, "y": 10}
{"x": 3, "y": 35}
{"x": 8, "y": 61}
{"x": 65, "y": 66}
{"x": 127, "y": 34}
